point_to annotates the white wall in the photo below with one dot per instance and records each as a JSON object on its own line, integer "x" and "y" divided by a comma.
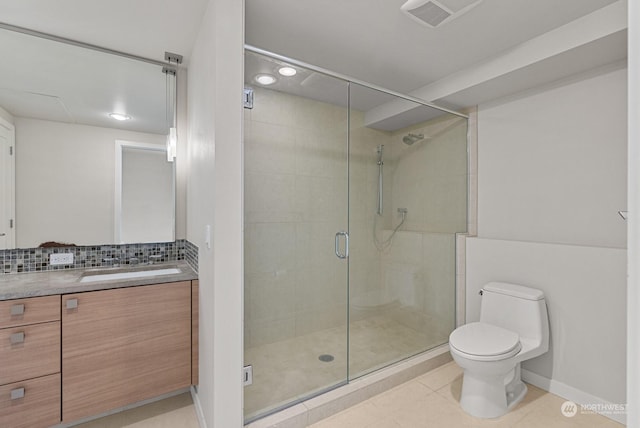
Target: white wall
{"x": 585, "y": 289}
{"x": 633, "y": 286}
{"x": 552, "y": 165}
{"x": 65, "y": 181}
{"x": 552, "y": 171}
{"x": 214, "y": 197}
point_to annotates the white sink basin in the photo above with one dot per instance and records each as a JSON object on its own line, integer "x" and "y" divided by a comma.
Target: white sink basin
{"x": 128, "y": 275}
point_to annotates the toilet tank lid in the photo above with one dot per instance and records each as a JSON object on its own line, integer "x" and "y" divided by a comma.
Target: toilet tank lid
{"x": 514, "y": 290}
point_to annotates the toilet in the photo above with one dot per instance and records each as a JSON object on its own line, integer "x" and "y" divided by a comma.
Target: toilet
{"x": 513, "y": 327}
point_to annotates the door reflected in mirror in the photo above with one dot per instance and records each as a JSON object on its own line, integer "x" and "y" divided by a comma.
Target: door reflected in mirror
{"x": 144, "y": 201}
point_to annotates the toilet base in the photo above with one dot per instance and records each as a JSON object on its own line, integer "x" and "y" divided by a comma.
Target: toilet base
{"x": 491, "y": 396}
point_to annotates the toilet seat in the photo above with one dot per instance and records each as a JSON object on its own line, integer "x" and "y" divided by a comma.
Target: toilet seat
{"x": 484, "y": 342}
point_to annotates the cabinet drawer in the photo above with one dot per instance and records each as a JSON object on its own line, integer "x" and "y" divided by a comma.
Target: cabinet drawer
{"x": 29, "y": 351}
{"x": 29, "y": 311}
{"x": 33, "y": 403}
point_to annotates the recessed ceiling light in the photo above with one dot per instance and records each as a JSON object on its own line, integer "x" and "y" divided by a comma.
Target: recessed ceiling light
{"x": 119, "y": 116}
{"x": 265, "y": 79}
{"x": 287, "y": 71}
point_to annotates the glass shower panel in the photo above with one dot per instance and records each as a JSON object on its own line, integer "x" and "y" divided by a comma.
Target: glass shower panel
{"x": 296, "y": 201}
{"x": 408, "y": 187}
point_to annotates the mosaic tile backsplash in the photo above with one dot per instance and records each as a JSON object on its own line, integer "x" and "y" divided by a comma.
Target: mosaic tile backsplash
{"x": 37, "y": 259}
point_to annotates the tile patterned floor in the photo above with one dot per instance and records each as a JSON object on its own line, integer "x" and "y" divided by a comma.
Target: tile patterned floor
{"x": 173, "y": 412}
{"x": 431, "y": 400}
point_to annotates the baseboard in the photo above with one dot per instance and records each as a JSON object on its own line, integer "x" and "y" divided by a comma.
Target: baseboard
{"x": 198, "y": 407}
{"x": 121, "y": 409}
{"x": 570, "y": 393}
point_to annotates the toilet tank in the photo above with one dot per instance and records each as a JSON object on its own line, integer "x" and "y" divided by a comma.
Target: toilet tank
{"x": 517, "y": 308}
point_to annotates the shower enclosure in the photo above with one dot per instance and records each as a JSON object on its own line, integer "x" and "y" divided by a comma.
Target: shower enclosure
{"x": 353, "y": 197}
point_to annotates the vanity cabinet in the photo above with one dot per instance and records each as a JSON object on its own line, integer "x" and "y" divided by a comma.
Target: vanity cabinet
{"x": 30, "y": 362}
{"x": 124, "y": 345}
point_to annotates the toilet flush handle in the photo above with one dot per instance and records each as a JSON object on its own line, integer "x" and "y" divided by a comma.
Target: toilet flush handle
{"x": 481, "y": 292}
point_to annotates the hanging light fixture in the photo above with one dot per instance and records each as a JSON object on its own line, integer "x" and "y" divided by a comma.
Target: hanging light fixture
{"x": 172, "y": 136}
{"x": 171, "y": 109}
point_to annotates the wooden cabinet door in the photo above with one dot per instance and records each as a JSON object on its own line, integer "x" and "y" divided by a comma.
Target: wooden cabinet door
{"x": 124, "y": 345}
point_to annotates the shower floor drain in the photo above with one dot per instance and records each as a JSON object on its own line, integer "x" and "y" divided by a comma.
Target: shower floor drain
{"x": 326, "y": 358}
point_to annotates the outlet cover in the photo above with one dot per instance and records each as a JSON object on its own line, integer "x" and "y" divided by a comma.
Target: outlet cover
{"x": 61, "y": 259}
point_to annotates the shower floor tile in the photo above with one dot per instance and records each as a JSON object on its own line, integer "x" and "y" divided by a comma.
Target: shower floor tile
{"x": 290, "y": 370}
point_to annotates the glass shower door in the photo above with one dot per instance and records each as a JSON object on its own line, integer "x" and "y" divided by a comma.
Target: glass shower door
{"x": 296, "y": 219}
{"x": 408, "y": 190}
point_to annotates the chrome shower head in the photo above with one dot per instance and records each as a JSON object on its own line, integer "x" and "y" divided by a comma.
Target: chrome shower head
{"x": 409, "y": 139}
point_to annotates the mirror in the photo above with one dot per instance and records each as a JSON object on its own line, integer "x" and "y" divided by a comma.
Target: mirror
{"x": 58, "y": 97}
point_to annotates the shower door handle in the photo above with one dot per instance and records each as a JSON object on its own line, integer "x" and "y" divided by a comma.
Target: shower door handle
{"x": 340, "y": 254}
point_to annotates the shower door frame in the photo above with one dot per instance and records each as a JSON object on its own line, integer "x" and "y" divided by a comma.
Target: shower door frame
{"x": 349, "y": 80}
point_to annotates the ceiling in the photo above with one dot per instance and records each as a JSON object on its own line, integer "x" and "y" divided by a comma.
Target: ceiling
{"x": 145, "y": 28}
{"x": 497, "y": 48}
{"x": 54, "y": 81}
{"x": 48, "y": 80}
{"x": 374, "y": 41}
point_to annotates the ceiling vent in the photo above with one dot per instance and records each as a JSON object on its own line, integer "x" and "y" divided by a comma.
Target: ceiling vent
{"x": 434, "y": 13}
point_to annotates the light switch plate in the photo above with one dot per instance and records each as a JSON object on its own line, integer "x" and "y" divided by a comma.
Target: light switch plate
{"x": 61, "y": 259}
{"x": 207, "y": 236}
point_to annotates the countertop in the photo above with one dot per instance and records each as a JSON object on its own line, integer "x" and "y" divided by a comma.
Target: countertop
{"x": 21, "y": 285}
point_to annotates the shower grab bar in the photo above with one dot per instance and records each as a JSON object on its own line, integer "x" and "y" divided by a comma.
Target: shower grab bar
{"x": 339, "y": 254}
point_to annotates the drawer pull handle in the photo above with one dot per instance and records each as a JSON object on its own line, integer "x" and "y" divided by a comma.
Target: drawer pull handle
{"x": 17, "y": 338}
{"x": 17, "y": 393}
{"x": 72, "y": 304}
{"x": 17, "y": 310}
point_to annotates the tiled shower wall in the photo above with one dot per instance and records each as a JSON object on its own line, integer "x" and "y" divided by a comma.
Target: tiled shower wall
{"x": 295, "y": 201}
{"x": 417, "y": 272}
{"x": 37, "y": 259}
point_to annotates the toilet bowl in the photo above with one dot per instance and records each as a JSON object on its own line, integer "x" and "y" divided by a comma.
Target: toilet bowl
{"x": 513, "y": 327}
